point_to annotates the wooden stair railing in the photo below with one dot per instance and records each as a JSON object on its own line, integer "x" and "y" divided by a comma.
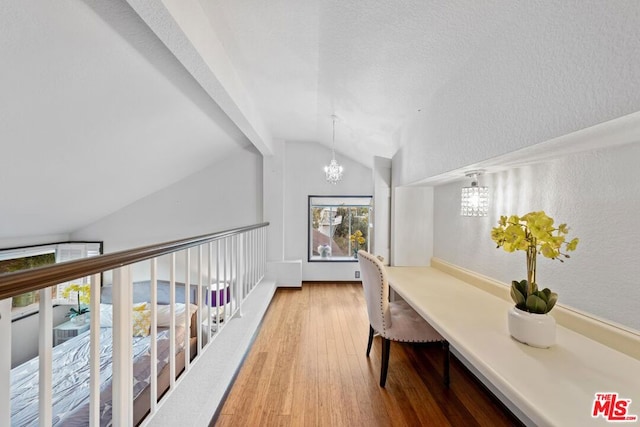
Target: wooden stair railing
{"x": 16, "y": 283}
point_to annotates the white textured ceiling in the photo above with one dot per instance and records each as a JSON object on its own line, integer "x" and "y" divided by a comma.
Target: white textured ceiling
{"x": 380, "y": 65}
{"x": 372, "y": 63}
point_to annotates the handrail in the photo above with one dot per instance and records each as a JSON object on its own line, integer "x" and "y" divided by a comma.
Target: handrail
{"x": 19, "y": 282}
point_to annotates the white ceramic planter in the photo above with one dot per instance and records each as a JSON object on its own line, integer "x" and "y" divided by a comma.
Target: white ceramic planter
{"x": 80, "y": 319}
{"x": 536, "y": 330}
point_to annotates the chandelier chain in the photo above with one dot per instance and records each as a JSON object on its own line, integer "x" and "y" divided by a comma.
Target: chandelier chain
{"x": 333, "y": 172}
{"x": 333, "y": 139}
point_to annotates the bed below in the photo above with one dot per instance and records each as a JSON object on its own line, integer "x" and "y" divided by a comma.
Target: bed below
{"x": 70, "y": 379}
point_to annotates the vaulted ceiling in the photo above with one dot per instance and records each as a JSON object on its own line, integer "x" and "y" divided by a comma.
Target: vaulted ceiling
{"x": 281, "y": 68}
{"x": 158, "y": 90}
{"x": 95, "y": 114}
{"x": 374, "y": 64}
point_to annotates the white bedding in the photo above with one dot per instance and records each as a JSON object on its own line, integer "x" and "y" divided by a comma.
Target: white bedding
{"x": 71, "y": 379}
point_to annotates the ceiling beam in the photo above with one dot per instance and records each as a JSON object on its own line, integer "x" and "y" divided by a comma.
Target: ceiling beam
{"x": 183, "y": 27}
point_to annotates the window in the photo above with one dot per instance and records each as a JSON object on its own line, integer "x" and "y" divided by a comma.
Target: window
{"x": 15, "y": 259}
{"x": 338, "y": 227}
{"x": 69, "y": 252}
{"x": 36, "y": 258}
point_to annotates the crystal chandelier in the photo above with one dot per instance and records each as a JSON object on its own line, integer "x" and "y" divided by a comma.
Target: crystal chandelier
{"x": 474, "y": 200}
{"x": 333, "y": 172}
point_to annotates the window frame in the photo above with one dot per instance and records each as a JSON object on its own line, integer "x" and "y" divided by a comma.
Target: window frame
{"x": 18, "y": 313}
{"x": 310, "y": 256}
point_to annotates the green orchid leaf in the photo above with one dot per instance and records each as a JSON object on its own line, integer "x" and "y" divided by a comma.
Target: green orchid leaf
{"x": 516, "y": 295}
{"x": 521, "y": 286}
{"x": 535, "y": 304}
{"x": 553, "y": 298}
{"x": 73, "y": 312}
{"x": 544, "y": 294}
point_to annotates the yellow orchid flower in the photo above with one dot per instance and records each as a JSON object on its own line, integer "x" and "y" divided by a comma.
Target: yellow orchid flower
{"x": 83, "y": 293}
{"x": 533, "y": 233}
{"x": 571, "y": 246}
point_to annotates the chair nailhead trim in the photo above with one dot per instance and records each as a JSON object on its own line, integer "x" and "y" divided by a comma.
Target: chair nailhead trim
{"x": 370, "y": 258}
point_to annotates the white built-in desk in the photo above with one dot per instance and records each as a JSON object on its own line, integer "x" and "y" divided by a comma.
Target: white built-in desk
{"x": 552, "y": 387}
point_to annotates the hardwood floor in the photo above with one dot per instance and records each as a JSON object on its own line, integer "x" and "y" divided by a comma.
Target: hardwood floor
{"x": 308, "y": 367}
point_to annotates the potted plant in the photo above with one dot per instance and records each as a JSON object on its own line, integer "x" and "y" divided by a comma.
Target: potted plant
{"x": 357, "y": 239}
{"x": 324, "y": 251}
{"x": 83, "y": 292}
{"x": 533, "y": 233}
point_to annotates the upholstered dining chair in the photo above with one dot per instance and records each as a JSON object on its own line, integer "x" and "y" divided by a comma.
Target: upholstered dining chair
{"x": 395, "y": 320}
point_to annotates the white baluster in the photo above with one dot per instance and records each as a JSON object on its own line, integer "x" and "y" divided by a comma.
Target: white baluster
{"x": 172, "y": 321}
{"x": 263, "y": 248}
{"x": 224, "y": 286}
{"x": 5, "y": 362}
{"x": 45, "y": 356}
{"x": 239, "y": 276}
{"x": 122, "y": 342}
{"x": 227, "y": 276}
{"x": 200, "y": 302}
{"x": 153, "y": 360}
{"x": 94, "y": 352}
{"x": 187, "y": 303}
{"x": 210, "y": 295}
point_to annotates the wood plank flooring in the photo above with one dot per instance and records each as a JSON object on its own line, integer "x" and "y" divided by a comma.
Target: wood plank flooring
{"x": 308, "y": 367}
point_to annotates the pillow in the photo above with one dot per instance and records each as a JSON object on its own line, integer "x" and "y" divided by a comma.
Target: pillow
{"x": 141, "y": 322}
{"x": 163, "y": 313}
{"x": 106, "y": 314}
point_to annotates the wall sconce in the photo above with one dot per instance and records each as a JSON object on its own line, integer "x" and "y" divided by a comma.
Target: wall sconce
{"x": 474, "y": 200}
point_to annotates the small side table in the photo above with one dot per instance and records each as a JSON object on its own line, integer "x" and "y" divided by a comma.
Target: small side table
{"x": 67, "y": 330}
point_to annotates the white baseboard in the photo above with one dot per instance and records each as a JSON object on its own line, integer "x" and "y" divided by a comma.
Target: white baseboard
{"x": 286, "y": 274}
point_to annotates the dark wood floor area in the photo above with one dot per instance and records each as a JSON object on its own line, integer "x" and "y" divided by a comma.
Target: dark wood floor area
{"x": 308, "y": 367}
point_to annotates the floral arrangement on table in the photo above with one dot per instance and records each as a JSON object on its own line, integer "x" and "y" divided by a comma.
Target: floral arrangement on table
{"x": 83, "y": 294}
{"x": 535, "y": 234}
{"x": 357, "y": 239}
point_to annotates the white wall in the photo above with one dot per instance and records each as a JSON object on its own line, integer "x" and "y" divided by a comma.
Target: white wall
{"x": 528, "y": 84}
{"x": 24, "y": 336}
{"x": 225, "y": 195}
{"x": 32, "y": 240}
{"x": 596, "y": 193}
{"x": 412, "y": 226}
{"x": 304, "y": 176}
{"x": 273, "y": 190}
{"x": 382, "y": 207}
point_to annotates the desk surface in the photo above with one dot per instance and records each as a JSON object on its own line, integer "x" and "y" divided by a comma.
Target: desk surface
{"x": 554, "y": 386}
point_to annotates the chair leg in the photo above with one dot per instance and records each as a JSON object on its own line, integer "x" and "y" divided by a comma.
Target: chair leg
{"x": 386, "y": 346}
{"x": 447, "y": 354}
{"x": 371, "y": 332}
